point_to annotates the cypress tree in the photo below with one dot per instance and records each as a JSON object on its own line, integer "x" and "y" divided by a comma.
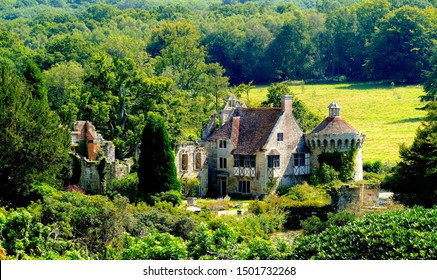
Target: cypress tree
{"x": 157, "y": 169}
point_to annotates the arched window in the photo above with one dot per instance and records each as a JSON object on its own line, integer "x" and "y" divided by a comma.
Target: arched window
{"x": 184, "y": 161}
{"x": 346, "y": 143}
{"x": 332, "y": 144}
{"x": 339, "y": 144}
{"x": 325, "y": 143}
{"x": 318, "y": 142}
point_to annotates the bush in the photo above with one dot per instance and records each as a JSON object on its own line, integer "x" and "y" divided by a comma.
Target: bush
{"x": 126, "y": 186}
{"x": 374, "y": 167}
{"x": 257, "y": 207}
{"x": 394, "y": 235}
{"x": 37, "y": 191}
{"x": 314, "y": 224}
{"x": 189, "y": 186}
{"x": 172, "y": 196}
{"x": 152, "y": 246}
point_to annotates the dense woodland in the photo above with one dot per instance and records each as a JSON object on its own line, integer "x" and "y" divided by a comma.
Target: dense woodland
{"x": 141, "y": 68}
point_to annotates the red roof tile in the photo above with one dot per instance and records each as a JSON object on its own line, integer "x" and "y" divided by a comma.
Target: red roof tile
{"x": 256, "y": 124}
{"x": 334, "y": 125}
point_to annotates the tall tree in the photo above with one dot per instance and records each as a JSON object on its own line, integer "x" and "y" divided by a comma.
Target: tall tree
{"x": 35, "y": 80}
{"x": 290, "y": 51}
{"x": 306, "y": 119}
{"x": 157, "y": 169}
{"x": 430, "y": 83}
{"x": 402, "y": 46}
{"x": 34, "y": 147}
{"x": 416, "y": 174}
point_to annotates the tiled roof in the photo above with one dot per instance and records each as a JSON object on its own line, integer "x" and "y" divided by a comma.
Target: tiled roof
{"x": 334, "y": 125}
{"x": 256, "y": 124}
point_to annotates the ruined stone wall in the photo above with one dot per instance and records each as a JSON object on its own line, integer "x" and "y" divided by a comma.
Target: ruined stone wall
{"x": 355, "y": 198}
{"x": 93, "y": 176}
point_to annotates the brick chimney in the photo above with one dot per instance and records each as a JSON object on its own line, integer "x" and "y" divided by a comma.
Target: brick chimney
{"x": 287, "y": 103}
{"x": 235, "y": 130}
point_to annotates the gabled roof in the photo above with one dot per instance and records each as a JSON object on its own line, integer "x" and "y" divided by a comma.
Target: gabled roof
{"x": 256, "y": 124}
{"x": 334, "y": 125}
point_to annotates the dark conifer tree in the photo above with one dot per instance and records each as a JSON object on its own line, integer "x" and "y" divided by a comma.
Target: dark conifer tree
{"x": 157, "y": 169}
{"x": 34, "y": 148}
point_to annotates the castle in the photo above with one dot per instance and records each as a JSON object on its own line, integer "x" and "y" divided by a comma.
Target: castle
{"x": 256, "y": 150}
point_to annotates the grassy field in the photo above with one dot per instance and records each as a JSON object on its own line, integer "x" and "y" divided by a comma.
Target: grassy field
{"x": 388, "y": 116}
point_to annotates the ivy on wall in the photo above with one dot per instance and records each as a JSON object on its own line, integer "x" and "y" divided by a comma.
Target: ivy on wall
{"x": 342, "y": 162}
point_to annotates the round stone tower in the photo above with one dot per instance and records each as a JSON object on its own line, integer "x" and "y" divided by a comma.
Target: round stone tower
{"x": 335, "y": 135}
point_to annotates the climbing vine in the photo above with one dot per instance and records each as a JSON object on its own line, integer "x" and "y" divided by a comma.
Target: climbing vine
{"x": 342, "y": 162}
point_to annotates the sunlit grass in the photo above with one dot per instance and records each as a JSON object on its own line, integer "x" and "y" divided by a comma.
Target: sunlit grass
{"x": 388, "y": 116}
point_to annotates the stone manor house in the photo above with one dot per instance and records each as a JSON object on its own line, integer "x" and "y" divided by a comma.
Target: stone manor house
{"x": 256, "y": 150}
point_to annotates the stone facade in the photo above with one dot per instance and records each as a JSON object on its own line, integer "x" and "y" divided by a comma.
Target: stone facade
{"x": 256, "y": 150}
{"x": 93, "y": 159}
{"x": 335, "y": 135}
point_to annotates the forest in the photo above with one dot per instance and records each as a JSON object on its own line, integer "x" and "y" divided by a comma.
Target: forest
{"x": 167, "y": 66}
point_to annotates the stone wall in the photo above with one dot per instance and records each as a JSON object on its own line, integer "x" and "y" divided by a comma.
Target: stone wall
{"x": 355, "y": 198}
{"x": 93, "y": 176}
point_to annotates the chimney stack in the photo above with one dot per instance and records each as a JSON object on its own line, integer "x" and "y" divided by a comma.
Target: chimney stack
{"x": 235, "y": 130}
{"x": 287, "y": 103}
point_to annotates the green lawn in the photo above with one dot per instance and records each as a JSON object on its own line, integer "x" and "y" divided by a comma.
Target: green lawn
{"x": 387, "y": 116}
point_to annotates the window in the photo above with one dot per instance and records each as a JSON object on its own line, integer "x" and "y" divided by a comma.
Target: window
{"x": 244, "y": 186}
{"x": 197, "y": 161}
{"x": 223, "y": 163}
{"x": 273, "y": 162}
{"x": 299, "y": 159}
{"x": 280, "y": 136}
{"x": 222, "y": 144}
{"x": 184, "y": 162}
{"x": 244, "y": 161}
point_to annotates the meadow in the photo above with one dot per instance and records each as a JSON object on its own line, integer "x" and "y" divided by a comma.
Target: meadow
{"x": 388, "y": 114}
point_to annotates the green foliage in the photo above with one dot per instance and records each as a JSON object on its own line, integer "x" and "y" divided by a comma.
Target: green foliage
{"x": 153, "y": 245}
{"x": 325, "y": 174}
{"x": 305, "y": 192}
{"x": 416, "y": 174}
{"x": 430, "y": 83}
{"x": 306, "y": 119}
{"x": 34, "y": 146}
{"x": 408, "y": 234}
{"x": 342, "y": 162}
{"x": 126, "y": 186}
{"x": 314, "y": 225}
{"x": 165, "y": 218}
{"x": 374, "y": 167}
{"x": 189, "y": 186}
{"x": 156, "y": 170}
{"x": 172, "y": 196}
{"x": 403, "y": 45}
{"x": 295, "y": 210}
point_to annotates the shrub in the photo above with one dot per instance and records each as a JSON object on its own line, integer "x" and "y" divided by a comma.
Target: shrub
{"x": 189, "y": 186}
{"x": 152, "y": 246}
{"x": 394, "y": 235}
{"x": 126, "y": 186}
{"x": 172, "y": 196}
{"x": 257, "y": 207}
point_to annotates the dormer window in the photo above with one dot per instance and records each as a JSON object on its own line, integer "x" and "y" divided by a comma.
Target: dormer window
{"x": 222, "y": 144}
{"x": 280, "y": 136}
